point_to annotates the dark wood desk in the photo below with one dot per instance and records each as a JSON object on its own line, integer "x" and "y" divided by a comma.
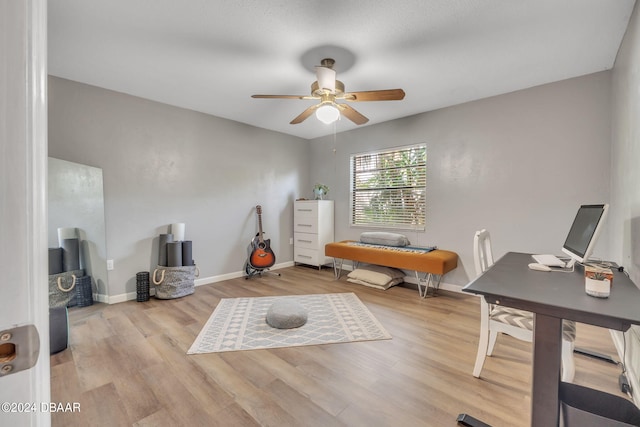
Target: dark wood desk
{"x": 554, "y": 296}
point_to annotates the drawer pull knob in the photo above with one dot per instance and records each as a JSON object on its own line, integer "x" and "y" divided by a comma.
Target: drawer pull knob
{"x": 304, "y": 225}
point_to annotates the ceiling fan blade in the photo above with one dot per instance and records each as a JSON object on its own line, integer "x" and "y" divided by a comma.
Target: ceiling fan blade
{"x": 352, "y": 114}
{"x": 305, "y": 114}
{"x": 284, "y": 96}
{"x": 375, "y": 95}
{"x": 326, "y": 78}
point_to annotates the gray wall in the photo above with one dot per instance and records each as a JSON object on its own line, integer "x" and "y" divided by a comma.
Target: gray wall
{"x": 519, "y": 165}
{"x": 625, "y": 175}
{"x": 163, "y": 164}
{"x": 625, "y": 181}
{"x": 488, "y": 161}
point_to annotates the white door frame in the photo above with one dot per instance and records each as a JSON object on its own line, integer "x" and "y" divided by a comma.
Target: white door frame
{"x": 24, "y": 298}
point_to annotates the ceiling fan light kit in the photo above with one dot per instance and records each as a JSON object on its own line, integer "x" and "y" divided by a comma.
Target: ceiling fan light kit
{"x": 327, "y": 113}
{"x": 327, "y": 89}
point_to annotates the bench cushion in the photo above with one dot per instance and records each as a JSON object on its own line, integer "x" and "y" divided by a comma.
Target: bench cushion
{"x": 437, "y": 262}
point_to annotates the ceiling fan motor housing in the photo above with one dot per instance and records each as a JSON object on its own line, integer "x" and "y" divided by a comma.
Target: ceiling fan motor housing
{"x": 316, "y": 90}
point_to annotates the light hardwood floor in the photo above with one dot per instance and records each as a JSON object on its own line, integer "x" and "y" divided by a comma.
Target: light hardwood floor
{"x": 127, "y": 365}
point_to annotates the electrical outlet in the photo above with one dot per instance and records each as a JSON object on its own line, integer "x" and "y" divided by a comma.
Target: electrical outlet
{"x": 291, "y": 240}
{"x": 109, "y": 264}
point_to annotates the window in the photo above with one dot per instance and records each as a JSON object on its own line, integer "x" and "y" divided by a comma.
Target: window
{"x": 388, "y": 188}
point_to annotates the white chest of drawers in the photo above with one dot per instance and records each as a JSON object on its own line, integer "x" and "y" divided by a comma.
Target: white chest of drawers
{"x": 312, "y": 229}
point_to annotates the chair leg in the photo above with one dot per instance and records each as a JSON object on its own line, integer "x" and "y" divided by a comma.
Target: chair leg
{"x": 493, "y": 336}
{"x": 568, "y": 364}
{"x": 483, "y": 340}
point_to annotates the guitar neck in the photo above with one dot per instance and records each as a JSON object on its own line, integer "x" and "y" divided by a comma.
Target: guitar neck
{"x": 259, "y": 211}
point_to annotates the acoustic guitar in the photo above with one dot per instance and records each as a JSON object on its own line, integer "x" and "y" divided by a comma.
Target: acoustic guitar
{"x": 260, "y": 254}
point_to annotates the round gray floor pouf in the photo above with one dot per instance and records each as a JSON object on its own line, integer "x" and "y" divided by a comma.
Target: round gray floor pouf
{"x": 286, "y": 314}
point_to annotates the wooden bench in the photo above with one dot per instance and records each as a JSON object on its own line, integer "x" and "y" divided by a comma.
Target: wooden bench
{"x": 433, "y": 264}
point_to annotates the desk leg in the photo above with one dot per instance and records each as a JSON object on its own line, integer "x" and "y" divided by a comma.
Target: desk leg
{"x": 547, "y": 351}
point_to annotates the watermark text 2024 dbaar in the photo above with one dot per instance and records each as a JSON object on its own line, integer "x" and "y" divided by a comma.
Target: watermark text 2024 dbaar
{"x": 24, "y": 407}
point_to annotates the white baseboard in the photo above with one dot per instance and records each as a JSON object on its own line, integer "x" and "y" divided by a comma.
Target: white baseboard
{"x": 129, "y": 296}
{"x": 100, "y": 297}
{"x": 114, "y": 299}
{"x": 213, "y": 279}
{"x": 443, "y": 285}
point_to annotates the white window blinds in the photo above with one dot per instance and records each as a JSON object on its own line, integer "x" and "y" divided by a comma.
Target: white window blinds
{"x": 388, "y": 188}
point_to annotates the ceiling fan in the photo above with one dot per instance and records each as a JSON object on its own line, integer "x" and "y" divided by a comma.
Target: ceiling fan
{"x": 327, "y": 89}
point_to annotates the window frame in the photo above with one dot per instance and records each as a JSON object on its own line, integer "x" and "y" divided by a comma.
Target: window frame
{"x": 353, "y": 158}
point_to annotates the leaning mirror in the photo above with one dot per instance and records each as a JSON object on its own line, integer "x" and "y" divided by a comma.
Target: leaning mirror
{"x": 76, "y": 201}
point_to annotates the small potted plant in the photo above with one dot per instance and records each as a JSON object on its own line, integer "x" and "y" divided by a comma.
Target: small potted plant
{"x": 320, "y": 190}
{"x": 598, "y": 281}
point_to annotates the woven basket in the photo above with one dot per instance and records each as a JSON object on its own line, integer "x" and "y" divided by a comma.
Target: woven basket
{"x": 62, "y": 287}
{"x": 174, "y": 282}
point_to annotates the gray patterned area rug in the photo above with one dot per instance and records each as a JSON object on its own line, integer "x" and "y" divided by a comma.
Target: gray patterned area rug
{"x": 239, "y": 324}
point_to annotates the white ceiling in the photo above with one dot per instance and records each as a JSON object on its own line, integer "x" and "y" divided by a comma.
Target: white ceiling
{"x": 212, "y": 55}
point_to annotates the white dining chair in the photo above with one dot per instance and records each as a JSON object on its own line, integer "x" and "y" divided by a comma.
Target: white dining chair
{"x": 519, "y": 324}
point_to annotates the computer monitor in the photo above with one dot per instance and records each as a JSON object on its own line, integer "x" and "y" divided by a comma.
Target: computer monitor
{"x": 584, "y": 232}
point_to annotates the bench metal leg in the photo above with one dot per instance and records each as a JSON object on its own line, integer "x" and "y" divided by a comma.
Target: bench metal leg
{"x": 337, "y": 269}
{"x": 427, "y": 281}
